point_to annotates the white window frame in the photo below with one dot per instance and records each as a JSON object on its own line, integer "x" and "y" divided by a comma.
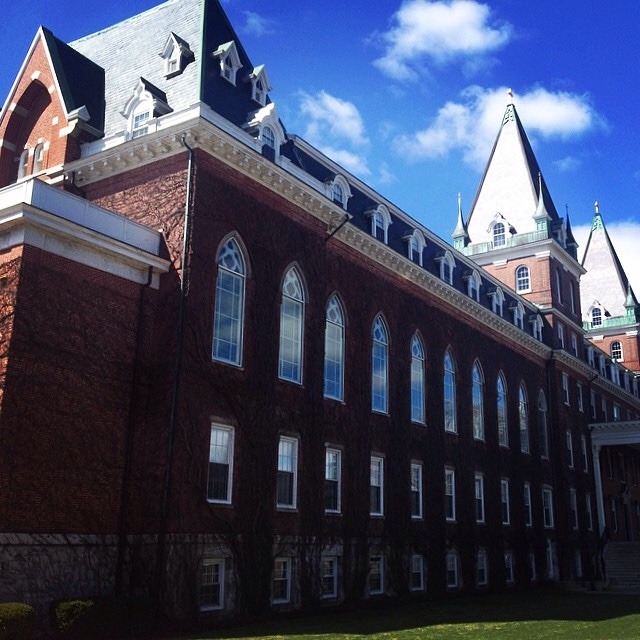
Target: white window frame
{"x": 450, "y": 494}
{"x": 379, "y": 366}
{"x": 523, "y": 419}
{"x": 497, "y": 301}
{"x": 452, "y": 569}
{"x": 415, "y": 246}
{"x": 528, "y": 512}
{"x": 447, "y": 267}
{"x": 333, "y": 478}
{"x": 228, "y": 328}
{"x": 537, "y": 326}
{"x": 523, "y": 279}
{"x": 376, "y": 487}
{"x": 282, "y": 573}
{"x": 499, "y": 232}
{"x": 474, "y": 282}
{"x": 482, "y": 573}
{"x": 547, "y": 507}
{"x": 505, "y": 501}
{"x": 543, "y": 425}
{"x": 292, "y": 320}
{"x": 560, "y": 331}
{"x": 573, "y": 508}
{"x": 585, "y": 456}
{"x": 376, "y": 571}
{"x": 569, "y": 443}
{"x": 287, "y": 468}
{"x": 417, "y": 380}
{"x": 502, "y": 410}
{"x": 334, "y": 340}
{"x": 416, "y": 582}
{"x": 565, "y": 388}
{"x": 509, "y": 576}
{"x": 211, "y": 592}
{"x": 449, "y": 383}
{"x": 477, "y": 401}
{"x": 229, "y": 61}
{"x": 580, "y": 396}
{"x": 221, "y": 454}
{"x": 380, "y": 221}
{"x": 616, "y": 351}
{"x": 518, "y": 315}
{"x": 329, "y": 577}
{"x": 416, "y": 490}
{"x": 478, "y": 482}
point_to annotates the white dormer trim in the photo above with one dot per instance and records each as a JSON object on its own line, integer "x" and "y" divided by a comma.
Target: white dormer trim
{"x": 497, "y": 300}
{"x": 260, "y": 86}
{"x": 338, "y": 190}
{"x": 142, "y": 108}
{"x": 380, "y": 221}
{"x": 415, "y": 245}
{"x": 518, "y": 315}
{"x": 447, "y": 266}
{"x": 536, "y": 327}
{"x": 229, "y": 60}
{"x": 264, "y": 124}
{"x": 176, "y": 55}
{"x": 474, "y": 281}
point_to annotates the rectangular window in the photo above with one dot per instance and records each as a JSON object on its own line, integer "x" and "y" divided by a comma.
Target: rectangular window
{"x": 585, "y": 458}
{"x": 329, "y": 577}
{"x": 528, "y": 518}
{"x": 547, "y": 507}
{"x": 533, "y": 574}
{"x": 281, "y": 580}
{"x": 417, "y": 573}
{"x": 332, "y": 480}
{"x": 580, "y": 393}
{"x": 287, "y": 479}
{"x": 616, "y": 413}
{"x": 416, "y": 490}
{"x": 577, "y": 561}
{"x": 376, "y": 487}
{"x": 508, "y": 567}
{"x": 479, "y": 496}
{"x": 574, "y": 344}
{"x": 565, "y": 388}
{"x": 587, "y": 504}
{"x": 452, "y": 569}
{"x": 504, "y": 499}
{"x": 376, "y": 575}
{"x": 592, "y": 404}
{"x": 212, "y": 584}
{"x": 481, "y": 568}
{"x": 573, "y": 507}
{"x": 569, "y": 440}
{"x": 605, "y": 417}
{"x": 220, "y": 465}
{"x": 450, "y": 493}
{"x": 560, "y": 336}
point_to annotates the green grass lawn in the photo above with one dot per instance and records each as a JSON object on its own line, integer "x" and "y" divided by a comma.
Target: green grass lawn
{"x": 528, "y": 615}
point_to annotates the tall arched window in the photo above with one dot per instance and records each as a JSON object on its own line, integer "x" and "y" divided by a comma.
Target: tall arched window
{"x": 228, "y": 318}
{"x": 449, "y": 380}
{"x": 596, "y": 316}
{"x": 501, "y": 408}
{"x": 499, "y": 238}
{"x": 291, "y": 327}
{"x": 523, "y": 419}
{"x": 543, "y": 426}
{"x": 379, "y": 366}
{"x": 616, "y": 350}
{"x": 417, "y": 380}
{"x": 523, "y": 281}
{"x": 334, "y": 350}
{"x": 477, "y": 401}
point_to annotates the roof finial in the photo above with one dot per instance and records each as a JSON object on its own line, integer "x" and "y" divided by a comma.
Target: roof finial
{"x": 510, "y": 94}
{"x": 596, "y": 208}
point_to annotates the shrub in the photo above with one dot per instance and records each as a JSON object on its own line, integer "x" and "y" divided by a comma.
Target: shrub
{"x": 90, "y": 618}
{"x": 16, "y": 621}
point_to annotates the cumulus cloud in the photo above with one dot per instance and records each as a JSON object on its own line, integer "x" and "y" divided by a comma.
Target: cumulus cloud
{"x": 438, "y": 31}
{"x": 625, "y": 236}
{"x": 256, "y": 25}
{"x": 470, "y": 125}
{"x": 567, "y": 164}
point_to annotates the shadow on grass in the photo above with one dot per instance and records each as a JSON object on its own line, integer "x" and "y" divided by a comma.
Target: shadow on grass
{"x": 544, "y": 604}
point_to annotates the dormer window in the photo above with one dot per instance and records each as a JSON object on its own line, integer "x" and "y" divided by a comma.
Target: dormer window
{"x": 146, "y": 103}
{"x": 259, "y": 85}
{"x": 518, "y": 315}
{"x": 447, "y": 265}
{"x": 264, "y": 125}
{"x": 415, "y": 246}
{"x": 38, "y": 158}
{"x": 339, "y": 190}
{"x": 473, "y": 285}
{"x": 268, "y": 137}
{"x": 23, "y": 163}
{"x": 229, "y": 60}
{"x": 497, "y": 300}
{"x": 499, "y": 238}
{"x": 176, "y": 55}
{"x": 596, "y": 316}
{"x": 380, "y": 221}
{"x": 536, "y": 327}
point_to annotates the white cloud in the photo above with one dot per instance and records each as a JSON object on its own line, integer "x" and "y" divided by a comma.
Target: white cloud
{"x": 567, "y": 164}
{"x": 470, "y": 125}
{"x": 256, "y": 25}
{"x": 438, "y": 31}
{"x": 352, "y": 162}
{"x": 625, "y": 237}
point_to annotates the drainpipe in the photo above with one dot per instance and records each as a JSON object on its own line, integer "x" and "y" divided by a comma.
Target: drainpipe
{"x": 126, "y": 474}
{"x": 166, "y": 489}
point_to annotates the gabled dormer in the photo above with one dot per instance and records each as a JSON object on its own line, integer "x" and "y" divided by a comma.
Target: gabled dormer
{"x": 229, "y": 60}
{"x": 176, "y": 55}
{"x": 260, "y": 86}
{"x": 265, "y": 125}
{"x": 145, "y": 104}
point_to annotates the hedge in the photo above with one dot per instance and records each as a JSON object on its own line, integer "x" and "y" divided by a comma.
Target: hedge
{"x": 17, "y": 621}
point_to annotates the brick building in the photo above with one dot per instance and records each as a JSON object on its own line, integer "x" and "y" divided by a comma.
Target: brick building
{"x": 235, "y": 377}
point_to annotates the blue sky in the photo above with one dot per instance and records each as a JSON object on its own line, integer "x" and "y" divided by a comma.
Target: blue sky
{"x": 409, "y": 94}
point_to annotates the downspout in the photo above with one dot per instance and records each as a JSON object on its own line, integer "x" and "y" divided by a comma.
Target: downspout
{"x": 166, "y": 489}
{"x": 554, "y": 459}
{"x": 126, "y": 474}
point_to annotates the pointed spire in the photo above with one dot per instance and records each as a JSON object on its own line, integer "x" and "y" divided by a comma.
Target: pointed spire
{"x": 597, "y": 218}
{"x": 541, "y": 215}
{"x": 459, "y": 234}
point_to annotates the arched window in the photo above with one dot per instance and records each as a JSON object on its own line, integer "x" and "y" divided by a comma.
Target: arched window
{"x": 449, "y": 380}
{"x": 543, "y": 427}
{"x": 523, "y": 419}
{"x": 523, "y": 280}
{"x": 380, "y": 221}
{"x": 447, "y": 265}
{"x": 477, "y": 401}
{"x": 518, "y": 315}
{"x": 473, "y": 285}
{"x": 334, "y": 350}
{"x": 536, "y": 327}
{"x": 498, "y": 235}
{"x": 337, "y": 193}
{"x": 268, "y": 137}
{"x": 38, "y": 158}
{"x": 596, "y": 316}
{"x": 558, "y": 287}
{"x": 379, "y": 366}
{"x": 23, "y": 164}
{"x": 291, "y": 327}
{"x": 228, "y": 317}
{"x": 415, "y": 246}
{"x": 417, "y": 380}
{"x": 497, "y": 300}
{"x": 616, "y": 350}
{"x": 501, "y": 409}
